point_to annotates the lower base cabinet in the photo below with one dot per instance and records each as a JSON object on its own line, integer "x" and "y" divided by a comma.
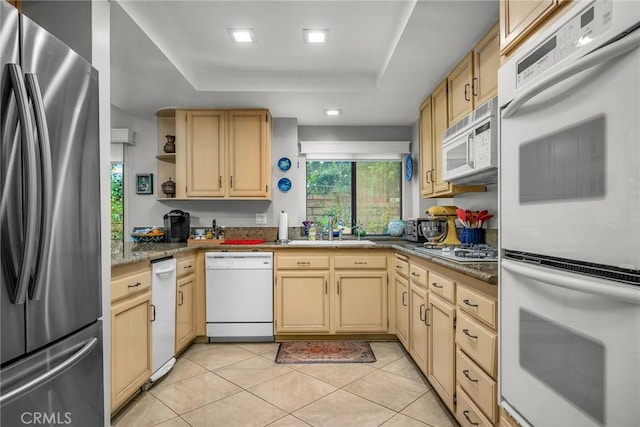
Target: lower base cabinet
{"x": 361, "y": 302}
{"x": 185, "y": 312}
{"x": 441, "y": 368}
{"x": 418, "y": 347}
{"x": 467, "y": 413}
{"x": 302, "y": 302}
{"x": 130, "y": 347}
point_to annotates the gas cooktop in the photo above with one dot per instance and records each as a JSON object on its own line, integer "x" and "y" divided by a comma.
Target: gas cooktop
{"x": 463, "y": 253}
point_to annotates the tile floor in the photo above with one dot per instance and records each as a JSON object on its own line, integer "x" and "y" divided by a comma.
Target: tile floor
{"x": 239, "y": 385}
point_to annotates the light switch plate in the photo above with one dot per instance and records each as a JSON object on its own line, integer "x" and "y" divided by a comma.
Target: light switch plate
{"x": 261, "y": 218}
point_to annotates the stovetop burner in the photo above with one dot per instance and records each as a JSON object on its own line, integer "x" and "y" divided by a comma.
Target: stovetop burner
{"x": 461, "y": 253}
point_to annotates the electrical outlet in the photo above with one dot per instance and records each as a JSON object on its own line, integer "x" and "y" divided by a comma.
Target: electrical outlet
{"x": 261, "y": 218}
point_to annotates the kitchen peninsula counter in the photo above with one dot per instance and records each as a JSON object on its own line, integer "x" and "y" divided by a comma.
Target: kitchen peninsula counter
{"x": 136, "y": 252}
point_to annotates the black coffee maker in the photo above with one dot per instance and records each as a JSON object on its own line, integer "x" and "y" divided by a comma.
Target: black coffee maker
{"x": 176, "y": 226}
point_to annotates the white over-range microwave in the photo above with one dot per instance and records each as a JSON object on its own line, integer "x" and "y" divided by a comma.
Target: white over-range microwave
{"x": 470, "y": 147}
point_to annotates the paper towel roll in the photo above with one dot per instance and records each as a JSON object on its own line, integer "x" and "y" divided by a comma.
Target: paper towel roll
{"x": 283, "y": 232}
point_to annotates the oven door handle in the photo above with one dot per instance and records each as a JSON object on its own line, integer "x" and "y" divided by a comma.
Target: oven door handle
{"x": 575, "y": 282}
{"x": 618, "y": 48}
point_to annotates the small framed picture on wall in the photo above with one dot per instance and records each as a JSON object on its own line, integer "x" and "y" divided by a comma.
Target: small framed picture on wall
{"x": 144, "y": 183}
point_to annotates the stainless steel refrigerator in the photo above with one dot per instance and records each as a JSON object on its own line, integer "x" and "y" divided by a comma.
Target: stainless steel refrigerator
{"x": 51, "y": 333}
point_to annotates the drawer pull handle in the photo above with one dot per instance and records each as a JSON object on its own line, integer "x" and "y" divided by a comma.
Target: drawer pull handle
{"x": 326, "y": 287}
{"x": 466, "y": 374}
{"x": 435, "y": 285}
{"x": 413, "y": 273}
{"x": 466, "y": 301}
{"x": 398, "y": 266}
{"x": 187, "y": 266}
{"x": 423, "y": 316}
{"x": 360, "y": 263}
{"x": 181, "y": 298}
{"x": 466, "y": 332}
{"x": 426, "y": 316}
{"x": 303, "y": 263}
{"x": 466, "y": 415}
{"x": 404, "y": 303}
{"x": 134, "y": 286}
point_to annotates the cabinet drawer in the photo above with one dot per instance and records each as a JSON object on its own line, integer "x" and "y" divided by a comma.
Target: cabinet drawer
{"x": 477, "y": 342}
{"x": 185, "y": 266}
{"x": 365, "y": 262}
{"x": 307, "y": 262}
{"x": 467, "y": 413}
{"x": 480, "y": 387}
{"x": 418, "y": 274}
{"x": 129, "y": 280}
{"x": 401, "y": 266}
{"x": 480, "y": 306}
{"x": 442, "y": 286}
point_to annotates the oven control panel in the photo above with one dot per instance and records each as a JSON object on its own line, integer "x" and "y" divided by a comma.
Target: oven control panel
{"x": 581, "y": 30}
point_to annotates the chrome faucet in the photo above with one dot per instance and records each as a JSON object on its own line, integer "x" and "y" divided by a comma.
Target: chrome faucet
{"x": 330, "y": 227}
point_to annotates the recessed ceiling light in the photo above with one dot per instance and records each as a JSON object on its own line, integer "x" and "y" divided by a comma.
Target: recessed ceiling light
{"x": 315, "y": 36}
{"x": 242, "y": 35}
{"x": 333, "y": 112}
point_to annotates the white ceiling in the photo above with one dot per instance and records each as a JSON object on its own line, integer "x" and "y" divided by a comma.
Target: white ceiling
{"x": 382, "y": 59}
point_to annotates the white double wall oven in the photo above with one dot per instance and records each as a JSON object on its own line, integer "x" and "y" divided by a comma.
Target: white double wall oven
{"x": 570, "y": 221}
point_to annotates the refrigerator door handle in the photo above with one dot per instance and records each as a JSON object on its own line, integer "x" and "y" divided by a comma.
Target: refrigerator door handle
{"x": 45, "y": 186}
{"x": 50, "y": 374}
{"x": 19, "y": 293}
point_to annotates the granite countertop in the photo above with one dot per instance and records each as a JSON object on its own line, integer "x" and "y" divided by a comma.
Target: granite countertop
{"x": 135, "y": 252}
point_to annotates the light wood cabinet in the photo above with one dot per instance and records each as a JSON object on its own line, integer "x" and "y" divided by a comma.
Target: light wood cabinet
{"x": 431, "y": 136}
{"x": 186, "y": 292}
{"x": 459, "y": 88}
{"x": 486, "y": 61}
{"x": 401, "y": 291}
{"x": 318, "y": 292}
{"x": 426, "y": 148}
{"x": 440, "y": 122}
{"x": 185, "y": 312}
{"x": 361, "y": 301}
{"x": 130, "y": 331}
{"x": 166, "y": 162}
{"x": 475, "y": 79}
{"x": 441, "y": 342}
{"x": 476, "y": 355}
{"x": 302, "y": 302}
{"x": 519, "y": 17}
{"x": 418, "y": 326}
{"x": 467, "y": 412}
{"x": 249, "y": 154}
{"x": 223, "y": 154}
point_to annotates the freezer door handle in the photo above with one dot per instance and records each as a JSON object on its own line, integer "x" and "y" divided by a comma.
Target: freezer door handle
{"x": 18, "y": 295}
{"x": 45, "y": 181}
{"x": 50, "y": 374}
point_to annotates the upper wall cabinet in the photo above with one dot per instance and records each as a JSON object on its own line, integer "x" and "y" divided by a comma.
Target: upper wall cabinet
{"x": 518, "y": 19}
{"x": 475, "y": 79}
{"x": 223, "y": 154}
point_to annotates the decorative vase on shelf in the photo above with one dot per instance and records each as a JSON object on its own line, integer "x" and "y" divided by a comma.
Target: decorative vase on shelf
{"x": 169, "y": 188}
{"x": 170, "y": 146}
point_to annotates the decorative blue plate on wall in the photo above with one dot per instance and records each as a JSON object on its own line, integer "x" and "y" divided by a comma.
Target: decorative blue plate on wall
{"x": 284, "y": 184}
{"x": 408, "y": 168}
{"x": 284, "y": 164}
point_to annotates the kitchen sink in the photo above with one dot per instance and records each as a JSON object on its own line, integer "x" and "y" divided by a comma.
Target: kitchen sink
{"x": 330, "y": 242}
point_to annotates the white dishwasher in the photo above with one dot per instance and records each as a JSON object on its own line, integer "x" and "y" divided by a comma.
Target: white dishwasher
{"x": 163, "y": 323}
{"x": 239, "y": 296}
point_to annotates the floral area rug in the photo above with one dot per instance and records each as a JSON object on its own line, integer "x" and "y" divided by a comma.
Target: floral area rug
{"x": 325, "y": 352}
